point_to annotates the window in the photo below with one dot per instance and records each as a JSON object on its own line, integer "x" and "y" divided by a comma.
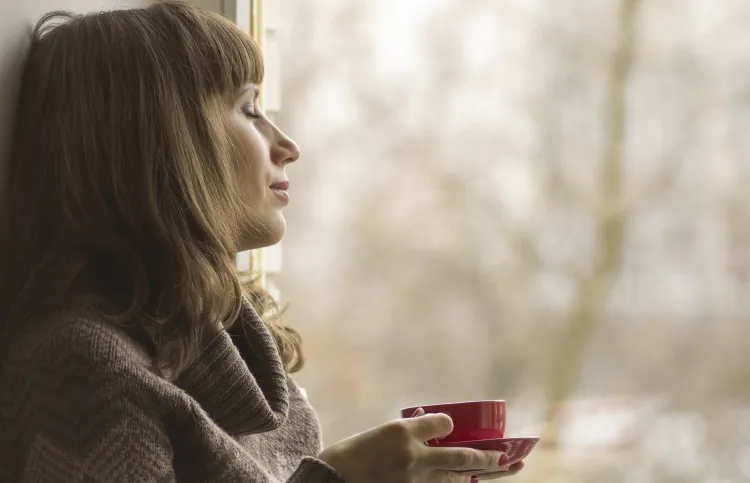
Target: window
{"x": 261, "y": 23}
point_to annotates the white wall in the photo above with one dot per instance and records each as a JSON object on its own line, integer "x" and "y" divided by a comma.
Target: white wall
{"x": 16, "y": 21}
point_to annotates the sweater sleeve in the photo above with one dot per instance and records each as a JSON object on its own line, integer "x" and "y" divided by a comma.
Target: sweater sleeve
{"x": 86, "y": 408}
{"x": 315, "y": 471}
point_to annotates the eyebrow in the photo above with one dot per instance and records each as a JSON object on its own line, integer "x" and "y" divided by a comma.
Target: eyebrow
{"x": 251, "y": 87}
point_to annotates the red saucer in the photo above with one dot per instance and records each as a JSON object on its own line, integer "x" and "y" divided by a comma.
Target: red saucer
{"x": 516, "y": 448}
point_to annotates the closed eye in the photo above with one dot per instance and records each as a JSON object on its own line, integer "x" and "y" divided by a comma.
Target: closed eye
{"x": 250, "y": 111}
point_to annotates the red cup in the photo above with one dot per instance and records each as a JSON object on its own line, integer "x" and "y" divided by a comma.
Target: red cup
{"x": 472, "y": 420}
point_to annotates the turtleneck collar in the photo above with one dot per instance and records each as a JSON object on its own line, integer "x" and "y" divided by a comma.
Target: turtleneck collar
{"x": 239, "y": 378}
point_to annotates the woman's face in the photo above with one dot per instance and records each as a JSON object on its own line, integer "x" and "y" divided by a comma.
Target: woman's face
{"x": 264, "y": 153}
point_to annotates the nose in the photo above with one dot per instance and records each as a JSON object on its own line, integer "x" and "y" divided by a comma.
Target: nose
{"x": 284, "y": 150}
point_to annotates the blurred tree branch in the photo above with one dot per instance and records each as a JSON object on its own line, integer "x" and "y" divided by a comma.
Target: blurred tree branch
{"x": 592, "y": 290}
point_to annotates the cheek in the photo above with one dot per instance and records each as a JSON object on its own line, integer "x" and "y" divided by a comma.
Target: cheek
{"x": 246, "y": 168}
{"x": 251, "y": 165}
{"x": 251, "y": 157}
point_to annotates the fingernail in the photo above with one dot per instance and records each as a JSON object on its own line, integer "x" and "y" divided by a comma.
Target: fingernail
{"x": 503, "y": 460}
{"x": 418, "y": 412}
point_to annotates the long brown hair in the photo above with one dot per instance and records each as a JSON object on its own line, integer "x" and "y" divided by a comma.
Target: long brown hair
{"x": 121, "y": 184}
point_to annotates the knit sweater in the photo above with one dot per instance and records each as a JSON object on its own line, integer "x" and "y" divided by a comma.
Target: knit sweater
{"x": 80, "y": 402}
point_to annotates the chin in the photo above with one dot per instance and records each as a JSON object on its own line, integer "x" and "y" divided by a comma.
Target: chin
{"x": 271, "y": 233}
{"x": 274, "y": 237}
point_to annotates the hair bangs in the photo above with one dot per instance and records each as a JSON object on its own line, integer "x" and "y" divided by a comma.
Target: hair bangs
{"x": 225, "y": 58}
{"x": 238, "y": 57}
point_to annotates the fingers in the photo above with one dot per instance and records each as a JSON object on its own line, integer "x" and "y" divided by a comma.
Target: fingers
{"x": 459, "y": 478}
{"x": 461, "y": 459}
{"x": 514, "y": 468}
{"x": 429, "y": 426}
{"x": 448, "y": 477}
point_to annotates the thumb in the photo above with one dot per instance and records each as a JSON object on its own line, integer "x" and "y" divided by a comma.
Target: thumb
{"x": 417, "y": 413}
{"x": 431, "y": 426}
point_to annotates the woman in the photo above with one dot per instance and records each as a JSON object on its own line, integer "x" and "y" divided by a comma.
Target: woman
{"x": 130, "y": 351}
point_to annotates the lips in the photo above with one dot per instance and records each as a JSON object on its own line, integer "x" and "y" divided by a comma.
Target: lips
{"x": 280, "y": 190}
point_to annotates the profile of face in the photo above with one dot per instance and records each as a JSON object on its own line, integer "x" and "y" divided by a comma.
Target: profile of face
{"x": 263, "y": 153}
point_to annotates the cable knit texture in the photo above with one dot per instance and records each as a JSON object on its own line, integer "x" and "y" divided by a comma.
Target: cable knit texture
{"x": 79, "y": 402}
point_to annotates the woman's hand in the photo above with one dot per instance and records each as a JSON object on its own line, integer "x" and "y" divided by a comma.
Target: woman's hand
{"x": 512, "y": 470}
{"x": 396, "y": 453}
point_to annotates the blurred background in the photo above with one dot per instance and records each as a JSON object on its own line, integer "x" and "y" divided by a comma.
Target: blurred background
{"x": 540, "y": 201}
{"x": 543, "y": 201}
